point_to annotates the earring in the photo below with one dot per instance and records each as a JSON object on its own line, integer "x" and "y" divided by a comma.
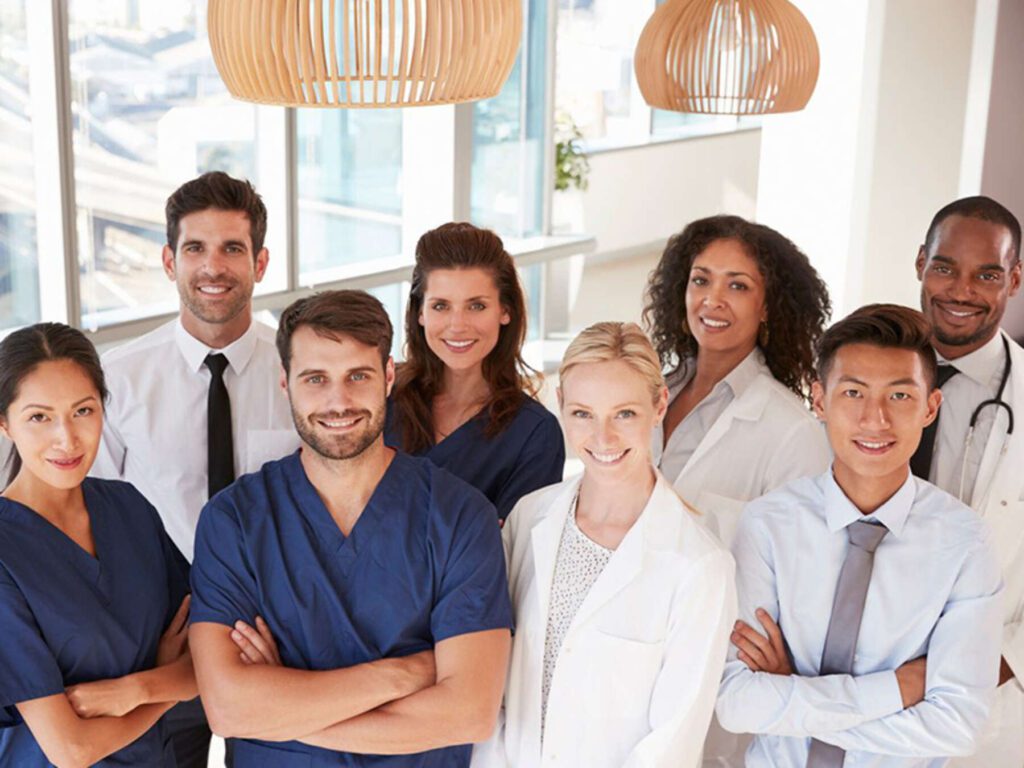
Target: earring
{"x": 762, "y": 334}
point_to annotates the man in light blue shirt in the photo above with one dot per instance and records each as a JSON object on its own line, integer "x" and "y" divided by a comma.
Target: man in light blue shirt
{"x": 870, "y": 601}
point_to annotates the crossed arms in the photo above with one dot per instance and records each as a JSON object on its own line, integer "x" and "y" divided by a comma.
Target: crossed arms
{"x": 90, "y": 721}
{"x": 390, "y": 706}
{"x": 925, "y": 707}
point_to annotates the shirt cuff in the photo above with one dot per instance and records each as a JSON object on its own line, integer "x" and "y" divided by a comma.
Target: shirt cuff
{"x": 879, "y": 694}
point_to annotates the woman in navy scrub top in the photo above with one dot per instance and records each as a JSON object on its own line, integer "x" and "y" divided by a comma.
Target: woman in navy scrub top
{"x": 92, "y": 591}
{"x": 464, "y": 396}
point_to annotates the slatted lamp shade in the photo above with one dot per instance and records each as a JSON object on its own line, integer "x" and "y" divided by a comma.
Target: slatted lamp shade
{"x": 364, "y": 53}
{"x": 732, "y": 57}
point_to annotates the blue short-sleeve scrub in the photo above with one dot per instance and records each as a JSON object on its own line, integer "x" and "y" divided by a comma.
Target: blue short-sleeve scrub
{"x": 68, "y": 617}
{"x": 527, "y": 455}
{"x": 423, "y": 563}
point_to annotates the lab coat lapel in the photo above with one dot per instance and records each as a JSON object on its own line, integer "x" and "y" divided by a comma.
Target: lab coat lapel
{"x": 544, "y": 540}
{"x": 747, "y": 407}
{"x": 625, "y": 564}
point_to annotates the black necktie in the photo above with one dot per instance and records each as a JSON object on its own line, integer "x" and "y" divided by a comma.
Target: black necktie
{"x": 220, "y": 450}
{"x": 921, "y": 461}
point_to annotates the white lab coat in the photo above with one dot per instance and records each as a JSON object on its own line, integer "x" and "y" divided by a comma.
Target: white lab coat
{"x": 640, "y": 665}
{"x": 999, "y": 498}
{"x": 764, "y": 438}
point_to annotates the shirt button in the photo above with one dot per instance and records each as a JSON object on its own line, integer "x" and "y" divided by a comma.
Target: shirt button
{"x": 1003, "y": 502}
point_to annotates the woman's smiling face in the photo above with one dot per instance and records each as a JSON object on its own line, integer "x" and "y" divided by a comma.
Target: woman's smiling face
{"x": 462, "y": 316}
{"x": 725, "y": 298}
{"x": 56, "y": 423}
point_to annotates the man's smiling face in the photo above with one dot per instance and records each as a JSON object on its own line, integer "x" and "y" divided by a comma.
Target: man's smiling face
{"x": 967, "y": 275}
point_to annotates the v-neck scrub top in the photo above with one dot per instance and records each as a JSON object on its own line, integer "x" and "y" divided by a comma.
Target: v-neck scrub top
{"x": 527, "y": 455}
{"x": 423, "y": 563}
{"x": 67, "y": 617}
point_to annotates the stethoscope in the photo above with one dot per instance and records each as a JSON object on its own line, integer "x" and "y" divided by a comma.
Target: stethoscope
{"x": 998, "y": 402}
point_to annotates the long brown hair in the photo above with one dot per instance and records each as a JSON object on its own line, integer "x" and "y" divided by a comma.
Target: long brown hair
{"x": 419, "y": 379}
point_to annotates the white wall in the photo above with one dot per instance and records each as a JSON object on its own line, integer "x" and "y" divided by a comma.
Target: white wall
{"x": 856, "y": 177}
{"x": 645, "y": 194}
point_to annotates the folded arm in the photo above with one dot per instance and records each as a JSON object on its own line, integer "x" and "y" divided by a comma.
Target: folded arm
{"x": 69, "y": 741}
{"x": 461, "y": 708}
{"x": 789, "y": 705}
{"x": 963, "y": 666}
{"x": 275, "y": 703}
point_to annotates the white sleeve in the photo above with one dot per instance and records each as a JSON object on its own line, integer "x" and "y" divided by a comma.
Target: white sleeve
{"x": 789, "y": 705}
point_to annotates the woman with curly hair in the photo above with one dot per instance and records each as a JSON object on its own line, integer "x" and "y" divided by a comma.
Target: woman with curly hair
{"x": 734, "y": 310}
{"x": 464, "y": 397}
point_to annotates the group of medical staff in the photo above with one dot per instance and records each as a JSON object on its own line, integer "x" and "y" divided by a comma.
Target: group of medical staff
{"x": 283, "y": 537}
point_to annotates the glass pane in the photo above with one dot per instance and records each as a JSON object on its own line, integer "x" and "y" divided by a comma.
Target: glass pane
{"x": 595, "y": 85}
{"x": 532, "y": 278}
{"x": 19, "y": 273}
{"x": 509, "y": 140}
{"x": 350, "y": 195}
{"x": 150, "y": 112}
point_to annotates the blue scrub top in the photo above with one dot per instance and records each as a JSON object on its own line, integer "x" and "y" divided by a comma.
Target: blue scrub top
{"x": 528, "y": 454}
{"x": 423, "y": 563}
{"x": 68, "y": 617}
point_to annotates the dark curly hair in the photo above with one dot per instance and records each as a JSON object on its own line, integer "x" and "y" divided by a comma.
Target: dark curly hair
{"x": 796, "y": 298}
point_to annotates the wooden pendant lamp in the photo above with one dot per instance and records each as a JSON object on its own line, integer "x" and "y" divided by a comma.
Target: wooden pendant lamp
{"x": 732, "y": 57}
{"x": 364, "y": 53}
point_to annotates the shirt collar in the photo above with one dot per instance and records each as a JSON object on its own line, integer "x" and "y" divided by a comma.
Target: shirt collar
{"x": 983, "y": 364}
{"x": 738, "y": 380}
{"x": 239, "y": 352}
{"x": 841, "y": 512}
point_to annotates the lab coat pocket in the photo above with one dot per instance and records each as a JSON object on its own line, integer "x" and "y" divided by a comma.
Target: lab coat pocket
{"x": 624, "y": 672}
{"x": 263, "y": 445}
{"x": 721, "y": 514}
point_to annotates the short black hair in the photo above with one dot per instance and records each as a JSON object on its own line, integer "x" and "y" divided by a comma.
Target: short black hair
{"x": 977, "y": 207}
{"x": 333, "y": 313}
{"x": 888, "y": 326}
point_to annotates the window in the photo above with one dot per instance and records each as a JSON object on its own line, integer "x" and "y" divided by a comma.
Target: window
{"x": 19, "y": 273}
{"x": 510, "y": 139}
{"x": 107, "y": 106}
{"x": 149, "y": 111}
{"x": 595, "y": 84}
{"x": 350, "y": 191}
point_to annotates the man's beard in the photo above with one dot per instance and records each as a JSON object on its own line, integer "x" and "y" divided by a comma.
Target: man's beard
{"x": 192, "y": 298}
{"x": 340, "y": 447}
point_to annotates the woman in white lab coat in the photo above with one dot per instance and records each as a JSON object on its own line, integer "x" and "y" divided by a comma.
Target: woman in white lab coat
{"x": 734, "y": 309}
{"x": 623, "y": 601}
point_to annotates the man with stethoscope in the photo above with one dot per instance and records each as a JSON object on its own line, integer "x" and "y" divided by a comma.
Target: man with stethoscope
{"x": 969, "y": 266}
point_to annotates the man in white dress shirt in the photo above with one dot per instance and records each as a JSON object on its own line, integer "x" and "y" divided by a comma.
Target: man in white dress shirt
{"x": 969, "y": 267}
{"x": 195, "y": 402}
{"x": 876, "y": 597}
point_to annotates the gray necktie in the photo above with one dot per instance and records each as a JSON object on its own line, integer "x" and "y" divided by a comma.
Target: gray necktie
{"x": 844, "y": 625}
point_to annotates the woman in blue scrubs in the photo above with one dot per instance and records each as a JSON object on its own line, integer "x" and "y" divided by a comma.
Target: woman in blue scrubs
{"x": 464, "y": 398}
{"x": 92, "y": 591}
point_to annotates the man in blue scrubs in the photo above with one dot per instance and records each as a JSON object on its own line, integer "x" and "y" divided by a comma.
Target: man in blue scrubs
{"x": 376, "y": 580}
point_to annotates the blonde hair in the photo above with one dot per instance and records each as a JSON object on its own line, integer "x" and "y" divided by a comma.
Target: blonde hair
{"x": 609, "y": 341}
